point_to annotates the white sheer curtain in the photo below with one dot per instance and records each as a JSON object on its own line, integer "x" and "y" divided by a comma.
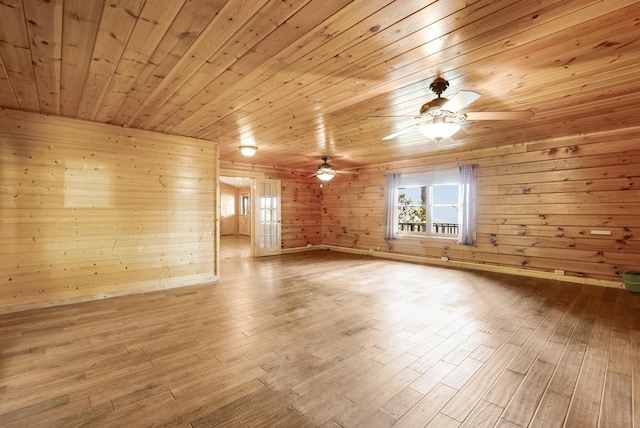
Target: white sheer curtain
{"x": 467, "y": 200}
{"x": 390, "y": 198}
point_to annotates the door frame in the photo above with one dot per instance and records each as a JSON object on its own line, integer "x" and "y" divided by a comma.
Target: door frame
{"x": 234, "y": 173}
{"x": 256, "y": 228}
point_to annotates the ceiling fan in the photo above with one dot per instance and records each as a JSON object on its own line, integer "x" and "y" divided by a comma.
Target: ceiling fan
{"x": 325, "y": 171}
{"x": 438, "y": 118}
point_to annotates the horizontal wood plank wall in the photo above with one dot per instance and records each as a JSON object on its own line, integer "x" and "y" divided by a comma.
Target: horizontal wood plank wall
{"x": 301, "y": 209}
{"x": 91, "y": 211}
{"x": 537, "y": 205}
{"x": 229, "y": 209}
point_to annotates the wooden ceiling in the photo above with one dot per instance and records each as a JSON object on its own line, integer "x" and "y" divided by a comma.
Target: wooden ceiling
{"x": 304, "y": 78}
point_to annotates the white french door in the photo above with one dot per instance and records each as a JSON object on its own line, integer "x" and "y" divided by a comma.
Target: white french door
{"x": 266, "y": 218}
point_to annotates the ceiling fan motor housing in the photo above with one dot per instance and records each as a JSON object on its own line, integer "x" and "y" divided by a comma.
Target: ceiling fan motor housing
{"x": 325, "y": 166}
{"x": 432, "y": 108}
{"x": 439, "y": 85}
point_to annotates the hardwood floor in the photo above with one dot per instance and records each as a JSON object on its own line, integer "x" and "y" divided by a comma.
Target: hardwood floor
{"x": 235, "y": 246}
{"x": 329, "y": 339}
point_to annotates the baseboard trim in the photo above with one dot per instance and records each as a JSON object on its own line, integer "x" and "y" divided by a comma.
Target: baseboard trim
{"x": 133, "y": 288}
{"x": 300, "y": 249}
{"x": 476, "y": 266}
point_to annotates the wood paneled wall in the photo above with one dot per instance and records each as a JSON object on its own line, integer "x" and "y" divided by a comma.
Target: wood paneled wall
{"x": 537, "y": 206}
{"x": 229, "y": 209}
{"x": 301, "y": 208}
{"x": 301, "y": 211}
{"x": 91, "y": 211}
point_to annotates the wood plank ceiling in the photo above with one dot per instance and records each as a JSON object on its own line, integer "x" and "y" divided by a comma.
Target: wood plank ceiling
{"x": 303, "y": 78}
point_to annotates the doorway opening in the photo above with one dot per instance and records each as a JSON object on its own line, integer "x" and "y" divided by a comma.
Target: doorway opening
{"x": 235, "y": 217}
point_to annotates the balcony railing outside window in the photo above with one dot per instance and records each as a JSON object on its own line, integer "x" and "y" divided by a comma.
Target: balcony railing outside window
{"x": 444, "y": 228}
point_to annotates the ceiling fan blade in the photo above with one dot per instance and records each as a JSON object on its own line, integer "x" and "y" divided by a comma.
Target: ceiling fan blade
{"x": 461, "y": 134}
{"x": 498, "y": 115}
{"x": 400, "y": 132}
{"x": 460, "y": 101}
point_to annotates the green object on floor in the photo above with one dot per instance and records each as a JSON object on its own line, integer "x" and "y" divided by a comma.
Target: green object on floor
{"x": 631, "y": 281}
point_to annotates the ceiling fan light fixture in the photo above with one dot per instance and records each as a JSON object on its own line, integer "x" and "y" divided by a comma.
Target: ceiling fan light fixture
{"x": 325, "y": 175}
{"x": 248, "y": 150}
{"x": 325, "y": 171}
{"x": 439, "y": 128}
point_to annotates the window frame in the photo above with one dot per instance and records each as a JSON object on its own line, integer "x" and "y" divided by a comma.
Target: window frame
{"x": 424, "y": 184}
{"x": 245, "y": 202}
{"x": 428, "y": 207}
{"x": 464, "y": 176}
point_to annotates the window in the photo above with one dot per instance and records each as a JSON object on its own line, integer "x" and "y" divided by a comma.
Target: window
{"x": 227, "y": 205}
{"x": 428, "y": 210}
{"x": 244, "y": 204}
{"x": 436, "y": 203}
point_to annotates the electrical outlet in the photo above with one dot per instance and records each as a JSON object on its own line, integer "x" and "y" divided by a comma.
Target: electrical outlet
{"x": 559, "y": 272}
{"x": 444, "y": 259}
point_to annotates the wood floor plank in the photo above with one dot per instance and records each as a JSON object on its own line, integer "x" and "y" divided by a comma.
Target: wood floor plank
{"x": 462, "y": 373}
{"x": 402, "y": 402}
{"x": 367, "y": 408}
{"x": 527, "y": 398}
{"x": 317, "y": 392}
{"x": 534, "y": 344}
{"x": 426, "y": 361}
{"x": 264, "y": 408}
{"x": 34, "y": 409}
{"x": 319, "y": 341}
{"x": 286, "y": 416}
{"x": 635, "y": 377}
{"x": 467, "y": 398}
{"x": 484, "y": 415}
{"x": 585, "y": 404}
{"x": 432, "y": 377}
{"x": 74, "y": 413}
{"x": 503, "y": 390}
{"x": 380, "y": 419}
{"x": 427, "y": 408}
{"x": 148, "y": 410}
{"x": 503, "y": 423}
{"x": 326, "y": 412}
{"x": 620, "y": 351}
{"x": 566, "y": 375}
{"x": 616, "y": 401}
{"x": 362, "y": 390}
{"x": 442, "y": 421}
{"x": 551, "y": 412}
